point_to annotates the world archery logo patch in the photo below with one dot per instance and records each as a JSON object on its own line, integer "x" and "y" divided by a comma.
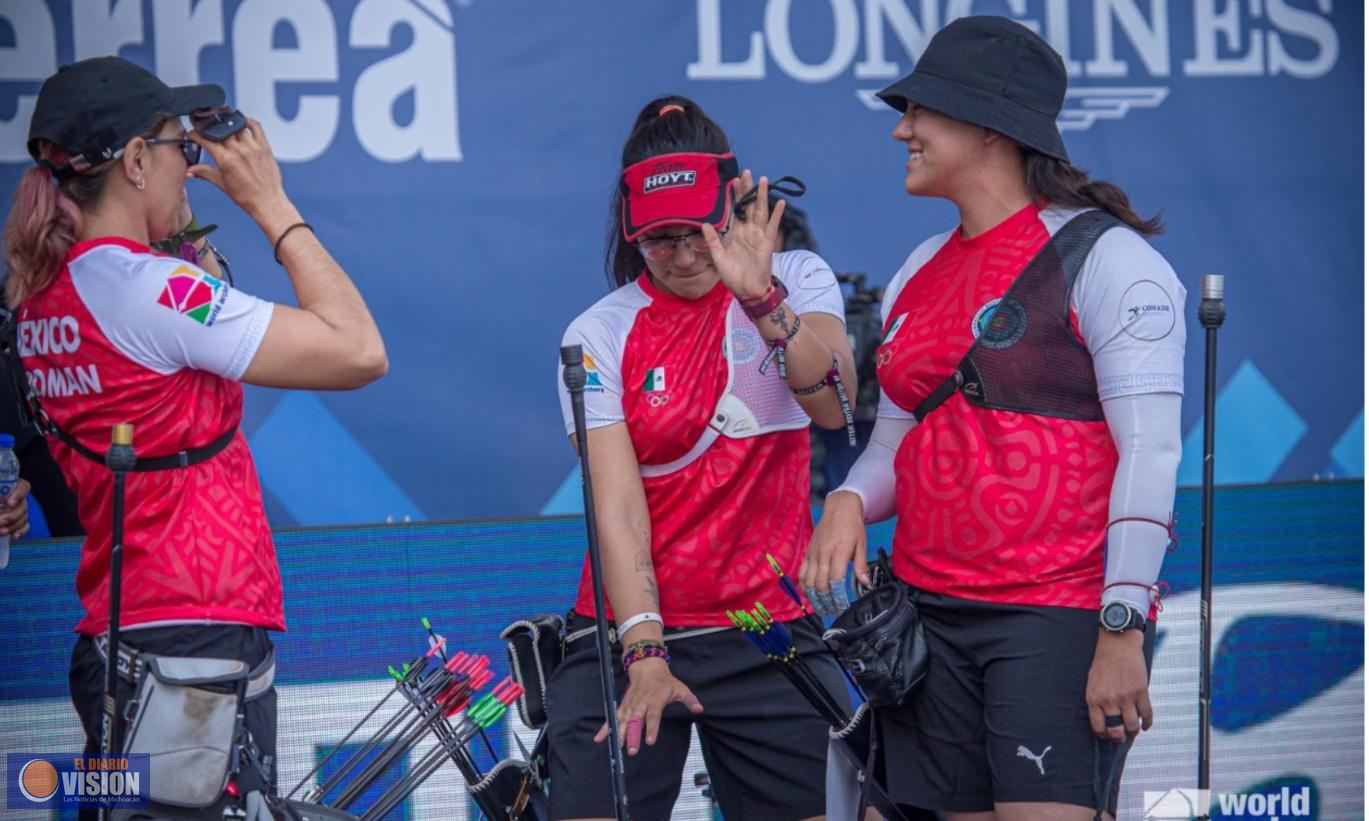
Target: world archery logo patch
{"x": 194, "y": 294}
{"x": 999, "y": 323}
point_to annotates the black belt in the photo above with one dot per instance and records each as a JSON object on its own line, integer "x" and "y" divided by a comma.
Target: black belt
{"x": 31, "y": 412}
{"x": 182, "y": 459}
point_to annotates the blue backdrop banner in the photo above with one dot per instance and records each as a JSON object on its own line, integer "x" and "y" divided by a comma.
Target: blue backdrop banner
{"x": 458, "y": 158}
{"x": 1288, "y": 633}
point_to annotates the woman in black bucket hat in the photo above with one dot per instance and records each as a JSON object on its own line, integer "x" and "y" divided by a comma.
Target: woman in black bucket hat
{"x": 1031, "y": 376}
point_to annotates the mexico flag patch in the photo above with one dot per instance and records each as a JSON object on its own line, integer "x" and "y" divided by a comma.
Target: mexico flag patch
{"x": 655, "y": 380}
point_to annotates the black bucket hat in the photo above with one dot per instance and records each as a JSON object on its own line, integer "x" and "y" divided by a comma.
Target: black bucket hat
{"x": 992, "y": 72}
{"x": 92, "y": 108}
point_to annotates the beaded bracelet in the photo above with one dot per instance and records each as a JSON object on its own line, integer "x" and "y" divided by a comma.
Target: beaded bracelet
{"x": 645, "y": 649}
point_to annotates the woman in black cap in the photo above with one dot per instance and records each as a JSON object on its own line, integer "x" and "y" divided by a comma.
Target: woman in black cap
{"x": 1031, "y": 375}
{"x": 110, "y": 331}
{"x": 706, "y": 365}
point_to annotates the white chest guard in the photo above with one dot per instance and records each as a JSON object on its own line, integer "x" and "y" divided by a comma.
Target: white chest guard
{"x": 753, "y": 403}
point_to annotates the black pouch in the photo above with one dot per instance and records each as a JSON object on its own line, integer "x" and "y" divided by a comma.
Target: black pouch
{"x": 510, "y": 790}
{"x": 535, "y": 650}
{"x": 879, "y": 638}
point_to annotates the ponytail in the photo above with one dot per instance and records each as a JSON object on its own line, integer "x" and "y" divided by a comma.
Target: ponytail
{"x": 43, "y": 223}
{"x": 1060, "y": 183}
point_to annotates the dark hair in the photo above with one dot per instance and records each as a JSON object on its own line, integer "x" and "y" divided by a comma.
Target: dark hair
{"x": 653, "y": 134}
{"x": 1061, "y": 183}
{"x": 795, "y": 233}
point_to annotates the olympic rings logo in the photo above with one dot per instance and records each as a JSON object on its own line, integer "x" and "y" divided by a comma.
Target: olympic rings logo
{"x": 657, "y": 400}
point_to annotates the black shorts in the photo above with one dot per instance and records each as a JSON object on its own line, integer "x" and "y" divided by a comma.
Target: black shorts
{"x": 226, "y": 641}
{"x": 763, "y": 743}
{"x": 1001, "y": 714}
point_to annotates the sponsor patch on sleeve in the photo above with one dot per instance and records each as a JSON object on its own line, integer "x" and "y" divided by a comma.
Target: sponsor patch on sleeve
{"x": 194, "y": 294}
{"x": 1147, "y": 311}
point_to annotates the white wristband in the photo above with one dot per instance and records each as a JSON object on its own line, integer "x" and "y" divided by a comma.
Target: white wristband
{"x": 640, "y": 618}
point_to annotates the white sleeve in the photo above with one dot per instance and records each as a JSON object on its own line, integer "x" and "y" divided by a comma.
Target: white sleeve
{"x": 1130, "y": 307}
{"x": 604, "y": 385}
{"x": 811, "y": 284}
{"x": 167, "y": 314}
{"x": 872, "y": 476}
{"x": 1145, "y": 428}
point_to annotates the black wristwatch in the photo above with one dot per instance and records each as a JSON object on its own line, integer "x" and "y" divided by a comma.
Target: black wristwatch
{"x": 1118, "y": 617}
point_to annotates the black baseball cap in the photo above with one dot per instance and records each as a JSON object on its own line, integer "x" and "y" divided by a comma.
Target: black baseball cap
{"x": 92, "y": 108}
{"x": 993, "y": 72}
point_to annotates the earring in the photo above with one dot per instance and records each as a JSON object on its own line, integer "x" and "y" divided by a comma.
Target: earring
{"x": 139, "y": 182}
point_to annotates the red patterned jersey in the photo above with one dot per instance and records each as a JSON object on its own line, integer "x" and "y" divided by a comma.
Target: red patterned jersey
{"x": 124, "y": 335}
{"x": 658, "y": 363}
{"x": 1005, "y": 506}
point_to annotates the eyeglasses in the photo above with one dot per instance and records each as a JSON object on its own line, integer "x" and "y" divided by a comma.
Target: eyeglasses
{"x": 189, "y": 148}
{"x": 664, "y": 247}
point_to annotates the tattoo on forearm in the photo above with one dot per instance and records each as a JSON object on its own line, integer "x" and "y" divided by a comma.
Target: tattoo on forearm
{"x": 644, "y": 566}
{"x": 777, "y": 318}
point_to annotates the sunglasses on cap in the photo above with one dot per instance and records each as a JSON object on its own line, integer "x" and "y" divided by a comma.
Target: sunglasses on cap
{"x": 786, "y": 185}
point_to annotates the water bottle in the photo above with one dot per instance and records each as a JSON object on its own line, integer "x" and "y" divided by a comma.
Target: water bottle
{"x": 9, "y": 477}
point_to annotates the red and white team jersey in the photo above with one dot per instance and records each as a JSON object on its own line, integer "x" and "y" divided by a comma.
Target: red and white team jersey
{"x": 658, "y": 362}
{"x": 1005, "y": 506}
{"x": 125, "y": 335}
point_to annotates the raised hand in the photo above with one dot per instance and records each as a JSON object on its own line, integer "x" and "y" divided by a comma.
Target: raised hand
{"x": 247, "y": 171}
{"x": 742, "y": 260}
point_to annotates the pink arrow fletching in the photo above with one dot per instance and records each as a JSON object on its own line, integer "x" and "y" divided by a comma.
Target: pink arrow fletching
{"x": 436, "y": 646}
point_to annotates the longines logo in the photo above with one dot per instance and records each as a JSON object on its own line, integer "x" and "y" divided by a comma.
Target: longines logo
{"x": 1126, "y": 40}
{"x": 296, "y": 91}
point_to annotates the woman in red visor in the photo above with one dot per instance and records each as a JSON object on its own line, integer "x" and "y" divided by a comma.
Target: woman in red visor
{"x": 706, "y": 366}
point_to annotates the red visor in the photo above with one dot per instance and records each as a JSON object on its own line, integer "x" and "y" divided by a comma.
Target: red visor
{"x": 677, "y": 189}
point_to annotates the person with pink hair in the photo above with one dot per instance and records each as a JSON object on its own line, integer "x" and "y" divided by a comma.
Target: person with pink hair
{"x": 110, "y": 331}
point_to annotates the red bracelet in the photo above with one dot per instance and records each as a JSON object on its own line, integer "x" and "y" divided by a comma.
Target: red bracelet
{"x": 757, "y": 308}
{"x": 1158, "y": 591}
{"x": 1169, "y": 527}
